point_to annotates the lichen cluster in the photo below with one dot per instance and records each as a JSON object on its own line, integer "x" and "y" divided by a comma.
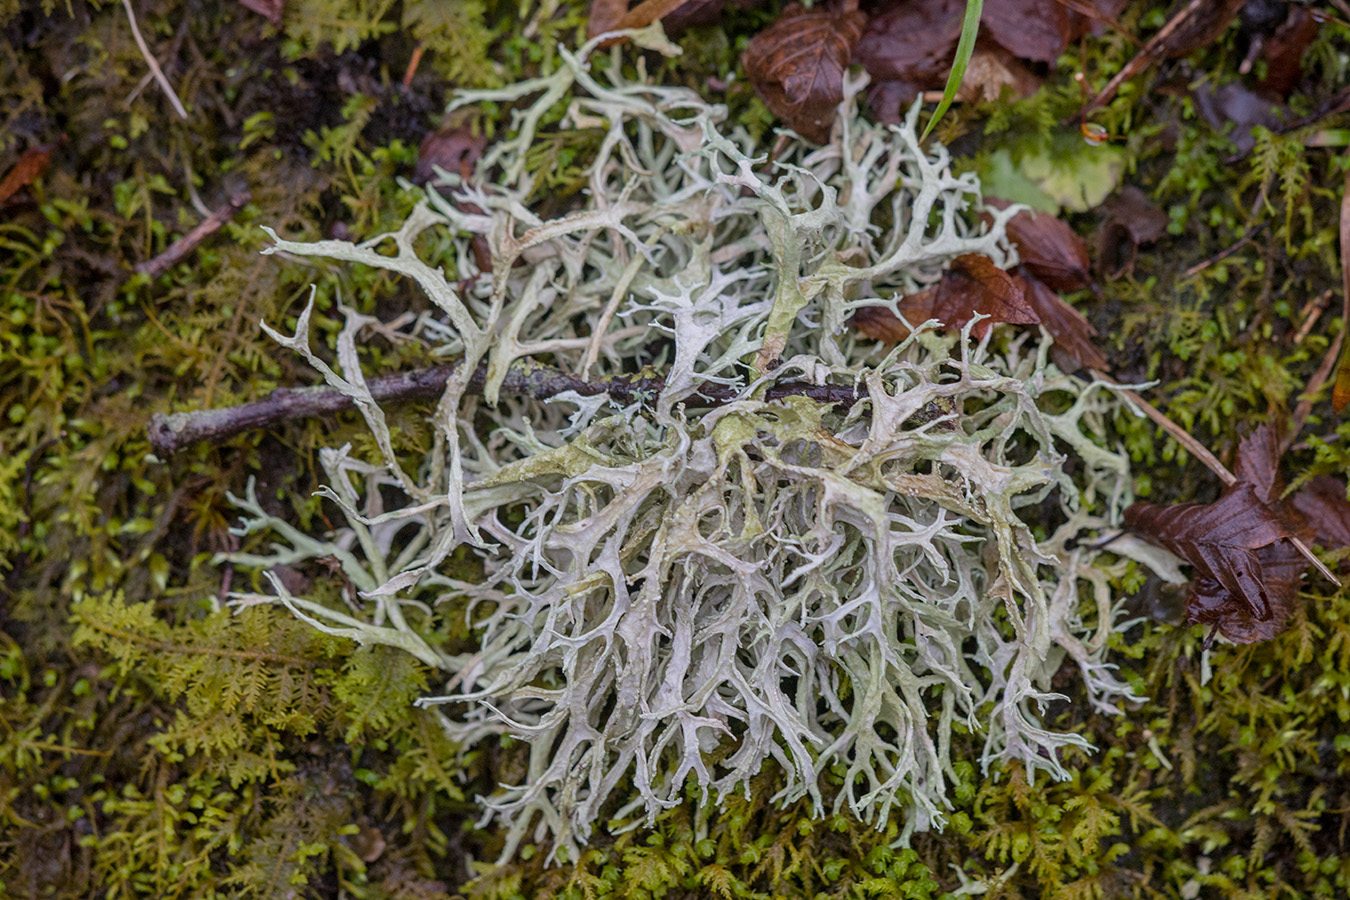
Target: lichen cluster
{"x": 674, "y": 592}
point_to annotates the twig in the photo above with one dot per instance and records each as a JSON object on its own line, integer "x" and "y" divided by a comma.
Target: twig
{"x": 1225, "y": 253}
{"x": 1315, "y": 384}
{"x": 1310, "y": 313}
{"x": 153, "y": 64}
{"x": 171, "y": 433}
{"x": 1144, "y": 57}
{"x": 1200, "y": 452}
{"x": 180, "y": 248}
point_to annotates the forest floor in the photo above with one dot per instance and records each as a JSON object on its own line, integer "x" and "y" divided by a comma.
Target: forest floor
{"x": 156, "y": 745}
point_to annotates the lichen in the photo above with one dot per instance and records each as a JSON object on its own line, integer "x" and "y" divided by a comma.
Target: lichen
{"x": 673, "y": 593}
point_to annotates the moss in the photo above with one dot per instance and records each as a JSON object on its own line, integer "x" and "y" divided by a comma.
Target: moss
{"x": 178, "y": 751}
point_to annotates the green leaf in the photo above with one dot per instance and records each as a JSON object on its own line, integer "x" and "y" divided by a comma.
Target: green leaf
{"x": 965, "y": 48}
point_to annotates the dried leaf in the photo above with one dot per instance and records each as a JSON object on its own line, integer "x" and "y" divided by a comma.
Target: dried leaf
{"x": 268, "y": 9}
{"x": 880, "y": 324}
{"x": 28, "y": 169}
{"x": 1029, "y": 29}
{"x": 1047, "y": 247}
{"x": 1073, "y": 334}
{"x": 1221, "y": 541}
{"x": 605, "y": 16}
{"x": 1238, "y": 110}
{"x": 454, "y": 150}
{"x": 912, "y": 42}
{"x": 1200, "y": 26}
{"x": 1131, "y": 221}
{"x": 1323, "y": 504}
{"x": 973, "y": 284}
{"x": 797, "y": 66}
{"x": 1094, "y": 17}
{"x": 1283, "y": 51}
{"x": 992, "y": 71}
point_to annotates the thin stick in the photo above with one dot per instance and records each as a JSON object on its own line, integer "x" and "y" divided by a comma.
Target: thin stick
{"x": 171, "y": 433}
{"x": 1144, "y": 57}
{"x": 180, "y": 248}
{"x": 1225, "y": 253}
{"x": 1315, "y": 384}
{"x": 153, "y": 64}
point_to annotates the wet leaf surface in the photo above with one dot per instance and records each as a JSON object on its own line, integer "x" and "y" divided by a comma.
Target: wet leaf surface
{"x": 1029, "y": 29}
{"x": 912, "y": 42}
{"x": 972, "y": 285}
{"x": 30, "y": 167}
{"x": 1246, "y": 570}
{"x": 1073, "y": 334}
{"x": 797, "y": 66}
{"x": 1047, "y": 247}
{"x": 1131, "y": 221}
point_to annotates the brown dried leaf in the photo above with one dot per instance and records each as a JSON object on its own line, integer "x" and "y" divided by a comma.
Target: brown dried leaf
{"x": 973, "y": 284}
{"x": 605, "y": 16}
{"x": 1283, "y": 51}
{"x": 28, "y": 169}
{"x": 1322, "y": 503}
{"x": 1131, "y": 221}
{"x": 1029, "y": 29}
{"x": 797, "y": 66}
{"x": 268, "y": 9}
{"x": 880, "y": 324}
{"x": 1094, "y": 17}
{"x": 1200, "y": 26}
{"x": 912, "y": 42}
{"x": 1221, "y": 541}
{"x": 1048, "y": 247}
{"x": 992, "y": 70}
{"x": 1073, "y": 334}
{"x": 456, "y": 149}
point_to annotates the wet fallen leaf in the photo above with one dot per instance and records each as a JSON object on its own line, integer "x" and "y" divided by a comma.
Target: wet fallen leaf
{"x": 1029, "y": 29}
{"x": 973, "y": 284}
{"x": 455, "y": 149}
{"x": 797, "y": 66}
{"x": 912, "y": 42}
{"x": 1247, "y": 571}
{"x": 30, "y": 167}
{"x": 1220, "y": 540}
{"x": 605, "y": 15}
{"x": 1237, "y": 110}
{"x": 1047, "y": 247}
{"x": 880, "y": 324}
{"x": 1073, "y": 334}
{"x": 1131, "y": 221}
{"x": 1322, "y": 502}
{"x": 1094, "y": 17}
{"x": 990, "y": 72}
{"x": 1283, "y": 50}
{"x": 1199, "y": 27}
{"x": 269, "y": 9}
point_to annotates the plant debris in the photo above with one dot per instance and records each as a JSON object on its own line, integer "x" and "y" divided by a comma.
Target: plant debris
{"x": 797, "y": 65}
{"x": 1247, "y": 570}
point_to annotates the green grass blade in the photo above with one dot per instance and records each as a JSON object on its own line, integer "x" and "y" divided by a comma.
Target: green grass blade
{"x": 965, "y": 48}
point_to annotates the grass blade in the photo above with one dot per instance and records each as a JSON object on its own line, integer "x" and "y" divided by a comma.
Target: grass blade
{"x": 965, "y": 48}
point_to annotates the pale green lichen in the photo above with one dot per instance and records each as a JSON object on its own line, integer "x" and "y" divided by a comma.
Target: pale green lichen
{"x": 675, "y": 593}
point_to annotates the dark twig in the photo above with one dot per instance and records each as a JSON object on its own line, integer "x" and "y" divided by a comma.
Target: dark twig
{"x": 1226, "y": 252}
{"x": 1151, "y": 52}
{"x": 180, "y": 248}
{"x": 171, "y": 433}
